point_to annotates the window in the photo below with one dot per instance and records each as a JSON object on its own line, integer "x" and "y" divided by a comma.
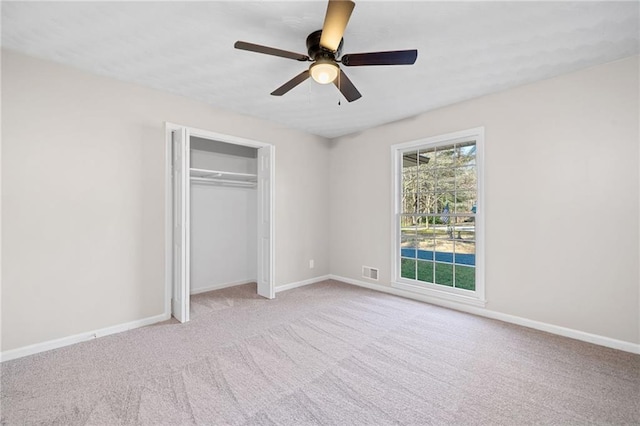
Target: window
{"x": 438, "y": 216}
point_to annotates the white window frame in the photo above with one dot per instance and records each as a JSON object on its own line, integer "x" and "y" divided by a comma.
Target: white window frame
{"x": 477, "y": 297}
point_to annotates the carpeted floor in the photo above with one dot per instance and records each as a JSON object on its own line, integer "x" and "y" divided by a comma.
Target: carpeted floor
{"x": 330, "y": 354}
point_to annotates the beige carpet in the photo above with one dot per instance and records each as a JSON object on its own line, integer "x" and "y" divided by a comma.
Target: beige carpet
{"x": 330, "y": 354}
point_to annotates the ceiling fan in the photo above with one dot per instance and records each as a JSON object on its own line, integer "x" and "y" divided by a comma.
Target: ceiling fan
{"x": 324, "y": 48}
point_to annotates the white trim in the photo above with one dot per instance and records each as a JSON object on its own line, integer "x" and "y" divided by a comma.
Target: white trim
{"x": 81, "y": 337}
{"x": 538, "y": 325}
{"x": 181, "y": 201}
{"x": 168, "y": 216}
{"x": 513, "y": 319}
{"x": 477, "y": 297}
{"x": 302, "y": 283}
{"x": 396, "y": 182}
{"x": 445, "y": 139}
{"x": 169, "y": 127}
{"x": 221, "y": 137}
{"x": 480, "y": 216}
{"x": 271, "y": 151}
{"x": 221, "y": 286}
{"x": 439, "y": 294}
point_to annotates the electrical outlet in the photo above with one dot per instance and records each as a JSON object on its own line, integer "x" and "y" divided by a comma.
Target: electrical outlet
{"x": 311, "y": 264}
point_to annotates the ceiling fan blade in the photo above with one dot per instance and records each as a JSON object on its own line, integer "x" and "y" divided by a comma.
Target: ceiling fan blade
{"x": 395, "y": 57}
{"x": 346, "y": 87}
{"x": 243, "y": 45}
{"x": 335, "y": 22}
{"x": 291, "y": 83}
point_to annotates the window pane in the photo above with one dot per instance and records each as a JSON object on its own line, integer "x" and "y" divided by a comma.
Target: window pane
{"x": 445, "y": 157}
{"x": 465, "y": 277}
{"x": 408, "y": 242}
{"x": 423, "y": 158}
{"x": 466, "y": 179}
{"x": 409, "y": 181}
{"x": 427, "y": 157}
{"x": 408, "y": 268}
{"x": 444, "y": 207}
{"x": 466, "y": 154}
{"x": 465, "y": 202}
{"x": 426, "y": 242}
{"x": 465, "y": 252}
{"x": 427, "y": 252}
{"x": 444, "y": 273}
{"x": 422, "y": 200}
{"x": 428, "y": 202}
{"x": 406, "y": 221}
{"x": 446, "y": 182}
{"x": 424, "y": 234}
{"x": 464, "y": 228}
{"x": 423, "y": 172}
{"x": 425, "y": 271}
{"x": 409, "y": 160}
{"x": 408, "y": 252}
{"x": 410, "y": 203}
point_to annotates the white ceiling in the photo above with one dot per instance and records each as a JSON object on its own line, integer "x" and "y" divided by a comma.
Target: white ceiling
{"x": 466, "y": 49}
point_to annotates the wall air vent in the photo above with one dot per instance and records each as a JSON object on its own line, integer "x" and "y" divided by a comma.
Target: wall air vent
{"x": 369, "y": 272}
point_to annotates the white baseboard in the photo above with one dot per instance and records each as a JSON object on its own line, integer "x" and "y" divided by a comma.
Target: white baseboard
{"x": 550, "y": 328}
{"x": 513, "y": 319}
{"x": 301, "y": 283}
{"x": 77, "y": 338}
{"x": 83, "y": 337}
{"x": 221, "y": 286}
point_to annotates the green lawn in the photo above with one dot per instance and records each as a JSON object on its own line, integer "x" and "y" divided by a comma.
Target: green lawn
{"x": 465, "y": 276}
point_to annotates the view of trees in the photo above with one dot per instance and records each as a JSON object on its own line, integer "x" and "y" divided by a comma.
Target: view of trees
{"x": 439, "y": 194}
{"x": 436, "y": 178}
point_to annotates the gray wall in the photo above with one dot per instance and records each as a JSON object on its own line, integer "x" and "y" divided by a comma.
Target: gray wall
{"x": 83, "y": 198}
{"x": 561, "y": 197}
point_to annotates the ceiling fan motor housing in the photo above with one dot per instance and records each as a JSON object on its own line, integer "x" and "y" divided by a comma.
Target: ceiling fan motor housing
{"x": 317, "y": 52}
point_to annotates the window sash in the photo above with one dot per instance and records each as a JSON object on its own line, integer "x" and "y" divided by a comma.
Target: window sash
{"x": 465, "y": 177}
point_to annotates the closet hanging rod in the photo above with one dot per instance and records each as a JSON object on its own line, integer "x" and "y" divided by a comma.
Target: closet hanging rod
{"x": 224, "y": 181}
{"x": 204, "y": 173}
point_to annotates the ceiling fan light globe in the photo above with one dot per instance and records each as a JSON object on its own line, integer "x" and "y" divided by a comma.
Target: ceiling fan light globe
{"x": 324, "y": 72}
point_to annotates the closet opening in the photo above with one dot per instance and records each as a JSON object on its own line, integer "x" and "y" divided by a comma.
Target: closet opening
{"x": 221, "y": 207}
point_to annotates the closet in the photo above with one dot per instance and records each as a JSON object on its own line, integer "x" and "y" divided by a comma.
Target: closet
{"x": 224, "y": 215}
{"x": 221, "y": 215}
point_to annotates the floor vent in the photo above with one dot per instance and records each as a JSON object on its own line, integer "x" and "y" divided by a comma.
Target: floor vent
{"x": 369, "y": 272}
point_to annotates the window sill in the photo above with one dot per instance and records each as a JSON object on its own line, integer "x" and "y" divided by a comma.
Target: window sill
{"x": 440, "y": 294}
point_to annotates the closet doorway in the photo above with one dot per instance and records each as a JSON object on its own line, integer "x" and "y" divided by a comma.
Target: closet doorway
{"x": 219, "y": 204}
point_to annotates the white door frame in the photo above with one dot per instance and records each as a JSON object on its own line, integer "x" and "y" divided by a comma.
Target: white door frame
{"x": 169, "y": 128}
